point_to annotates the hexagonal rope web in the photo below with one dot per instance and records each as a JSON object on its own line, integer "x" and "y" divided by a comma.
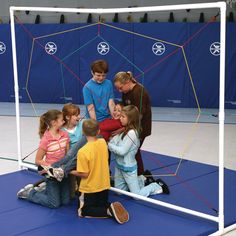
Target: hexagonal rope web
{"x": 141, "y": 72}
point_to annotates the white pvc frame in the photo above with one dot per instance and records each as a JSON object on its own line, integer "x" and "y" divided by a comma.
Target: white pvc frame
{"x": 222, "y": 7}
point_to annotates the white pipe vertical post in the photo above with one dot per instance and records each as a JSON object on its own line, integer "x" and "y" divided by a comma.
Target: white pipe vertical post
{"x": 221, "y": 5}
{"x": 16, "y": 87}
{"x": 222, "y": 114}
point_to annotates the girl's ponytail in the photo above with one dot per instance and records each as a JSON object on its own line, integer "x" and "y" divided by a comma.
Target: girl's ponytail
{"x": 46, "y": 119}
{"x": 42, "y": 126}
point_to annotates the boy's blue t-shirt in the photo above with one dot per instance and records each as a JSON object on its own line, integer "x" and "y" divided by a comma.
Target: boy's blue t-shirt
{"x": 98, "y": 95}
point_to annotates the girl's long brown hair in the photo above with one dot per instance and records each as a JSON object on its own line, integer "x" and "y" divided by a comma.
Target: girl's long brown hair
{"x": 133, "y": 116}
{"x": 46, "y": 119}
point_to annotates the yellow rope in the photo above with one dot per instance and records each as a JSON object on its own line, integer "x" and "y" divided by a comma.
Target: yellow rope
{"x": 66, "y": 31}
{"x": 191, "y": 79}
{"x": 190, "y": 139}
{"x": 193, "y": 130}
{"x": 195, "y": 125}
{"x": 141, "y": 35}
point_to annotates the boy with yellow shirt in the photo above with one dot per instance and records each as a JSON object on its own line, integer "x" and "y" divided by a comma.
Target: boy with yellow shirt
{"x": 93, "y": 168}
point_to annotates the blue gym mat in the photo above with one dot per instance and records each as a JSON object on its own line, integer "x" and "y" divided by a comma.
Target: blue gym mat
{"x": 195, "y": 187}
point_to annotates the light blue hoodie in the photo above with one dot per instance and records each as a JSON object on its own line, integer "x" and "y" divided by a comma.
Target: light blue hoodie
{"x": 124, "y": 150}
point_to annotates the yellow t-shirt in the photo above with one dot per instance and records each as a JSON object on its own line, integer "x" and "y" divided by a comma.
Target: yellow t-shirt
{"x": 92, "y": 158}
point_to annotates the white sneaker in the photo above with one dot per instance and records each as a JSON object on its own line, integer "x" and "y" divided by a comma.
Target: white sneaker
{"x": 40, "y": 187}
{"x": 24, "y": 192}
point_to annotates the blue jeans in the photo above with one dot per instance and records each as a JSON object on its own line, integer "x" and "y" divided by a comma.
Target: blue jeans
{"x": 55, "y": 194}
{"x": 68, "y": 163}
{"x": 130, "y": 181}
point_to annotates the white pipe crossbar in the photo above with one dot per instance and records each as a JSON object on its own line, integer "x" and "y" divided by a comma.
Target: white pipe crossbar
{"x": 222, "y": 7}
{"x": 120, "y": 10}
{"x": 28, "y": 166}
{"x": 164, "y": 204}
{"x": 226, "y": 230}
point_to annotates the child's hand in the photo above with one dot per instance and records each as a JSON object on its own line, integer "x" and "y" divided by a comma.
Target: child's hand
{"x": 118, "y": 131}
{"x": 42, "y": 172}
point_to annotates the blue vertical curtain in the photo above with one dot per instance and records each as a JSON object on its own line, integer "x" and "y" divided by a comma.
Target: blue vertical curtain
{"x": 59, "y": 78}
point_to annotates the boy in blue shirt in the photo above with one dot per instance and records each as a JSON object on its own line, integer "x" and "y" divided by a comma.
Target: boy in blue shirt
{"x": 98, "y": 93}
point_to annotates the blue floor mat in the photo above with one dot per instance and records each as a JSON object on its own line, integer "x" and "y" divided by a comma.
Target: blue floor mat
{"x": 195, "y": 187}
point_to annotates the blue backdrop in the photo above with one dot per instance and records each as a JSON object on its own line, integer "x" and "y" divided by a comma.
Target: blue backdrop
{"x": 150, "y": 50}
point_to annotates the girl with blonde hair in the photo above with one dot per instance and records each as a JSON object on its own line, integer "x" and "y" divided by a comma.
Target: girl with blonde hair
{"x": 133, "y": 93}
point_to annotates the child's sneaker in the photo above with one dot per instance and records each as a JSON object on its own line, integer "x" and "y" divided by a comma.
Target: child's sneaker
{"x": 40, "y": 187}
{"x": 58, "y": 173}
{"x": 165, "y": 188}
{"x": 118, "y": 212}
{"x": 149, "y": 178}
{"x": 45, "y": 171}
{"x": 24, "y": 192}
{"x": 50, "y": 172}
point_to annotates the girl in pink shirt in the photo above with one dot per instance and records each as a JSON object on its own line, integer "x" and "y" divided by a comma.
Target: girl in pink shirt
{"x": 53, "y": 146}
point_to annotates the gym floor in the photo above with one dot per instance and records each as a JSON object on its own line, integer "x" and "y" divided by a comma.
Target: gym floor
{"x": 174, "y": 133}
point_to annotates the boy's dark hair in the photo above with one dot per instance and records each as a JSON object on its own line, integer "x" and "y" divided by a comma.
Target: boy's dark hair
{"x": 99, "y": 66}
{"x": 90, "y": 127}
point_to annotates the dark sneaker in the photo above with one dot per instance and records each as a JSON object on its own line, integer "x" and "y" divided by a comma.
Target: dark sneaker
{"x": 112, "y": 182}
{"x": 45, "y": 171}
{"x": 50, "y": 172}
{"x": 164, "y": 186}
{"x": 118, "y": 212}
{"x": 24, "y": 192}
{"x": 149, "y": 177}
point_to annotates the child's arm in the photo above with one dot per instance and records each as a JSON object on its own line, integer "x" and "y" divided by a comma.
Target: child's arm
{"x": 82, "y": 168}
{"x": 110, "y": 125}
{"x": 129, "y": 141}
{"x": 91, "y": 111}
{"x": 111, "y": 106}
{"x": 114, "y": 140}
{"x": 80, "y": 174}
{"x": 39, "y": 157}
{"x": 67, "y": 147}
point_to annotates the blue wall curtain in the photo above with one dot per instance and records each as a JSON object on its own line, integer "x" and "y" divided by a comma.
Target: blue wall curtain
{"x": 152, "y": 51}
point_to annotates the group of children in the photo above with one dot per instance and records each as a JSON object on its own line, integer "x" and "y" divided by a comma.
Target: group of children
{"x": 88, "y": 158}
{"x": 74, "y": 150}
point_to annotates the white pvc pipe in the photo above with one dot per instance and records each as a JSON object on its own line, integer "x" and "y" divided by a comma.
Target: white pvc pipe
{"x": 16, "y": 88}
{"x": 222, "y": 6}
{"x": 226, "y": 230}
{"x": 222, "y": 114}
{"x": 168, "y": 205}
{"x": 29, "y": 166}
{"x": 121, "y": 10}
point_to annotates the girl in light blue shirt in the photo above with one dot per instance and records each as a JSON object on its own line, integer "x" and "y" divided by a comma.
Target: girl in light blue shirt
{"x": 73, "y": 122}
{"x": 124, "y": 147}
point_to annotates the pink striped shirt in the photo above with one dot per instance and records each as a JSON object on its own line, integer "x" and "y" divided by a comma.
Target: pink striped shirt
{"x": 55, "y": 148}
